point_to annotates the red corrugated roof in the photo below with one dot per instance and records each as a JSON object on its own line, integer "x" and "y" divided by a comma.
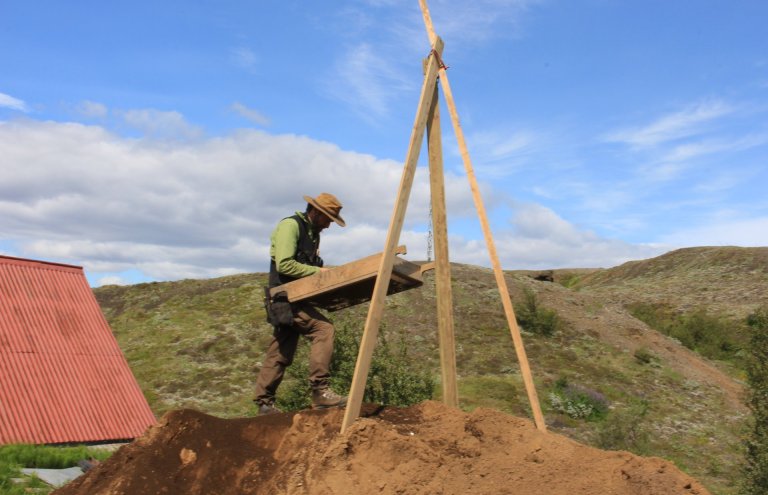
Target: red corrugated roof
{"x": 63, "y": 377}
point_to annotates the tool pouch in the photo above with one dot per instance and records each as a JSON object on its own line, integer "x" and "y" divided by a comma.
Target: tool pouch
{"x": 279, "y": 311}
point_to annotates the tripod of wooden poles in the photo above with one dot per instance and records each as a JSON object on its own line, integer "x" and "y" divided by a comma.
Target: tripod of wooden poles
{"x": 428, "y": 118}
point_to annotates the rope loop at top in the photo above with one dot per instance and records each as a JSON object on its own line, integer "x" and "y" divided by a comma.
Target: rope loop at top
{"x": 440, "y": 62}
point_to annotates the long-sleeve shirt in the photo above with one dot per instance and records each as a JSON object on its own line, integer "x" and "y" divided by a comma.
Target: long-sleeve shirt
{"x": 283, "y": 244}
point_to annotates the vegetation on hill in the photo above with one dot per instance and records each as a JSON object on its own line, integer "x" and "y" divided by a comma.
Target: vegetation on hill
{"x": 603, "y": 376}
{"x": 712, "y": 335}
{"x": 725, "y": 280}
{"x": 15, "y": 457}
{"x": 756, "y": 465}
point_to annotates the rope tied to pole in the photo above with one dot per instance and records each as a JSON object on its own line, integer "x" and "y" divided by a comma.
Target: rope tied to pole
{"x": 440, "y": 62}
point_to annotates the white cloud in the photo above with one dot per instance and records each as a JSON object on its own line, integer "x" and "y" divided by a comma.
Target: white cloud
{"x": 79, "y": 194}
{"x": 685, "y": 123}
{"x": 112, "y": 280}
{"x": 8, "y": 101}
{"x": 249, "y": 113}
{"x": 538, "y": 238}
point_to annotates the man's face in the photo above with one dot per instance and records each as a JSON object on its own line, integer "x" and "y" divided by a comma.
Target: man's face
{"x": 320, "y": 221}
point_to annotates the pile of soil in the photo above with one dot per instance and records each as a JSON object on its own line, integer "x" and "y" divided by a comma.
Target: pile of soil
{"x": 424, "y": 449}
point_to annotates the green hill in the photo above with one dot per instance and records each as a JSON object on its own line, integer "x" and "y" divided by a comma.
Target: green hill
{"x": 198, "y": 344}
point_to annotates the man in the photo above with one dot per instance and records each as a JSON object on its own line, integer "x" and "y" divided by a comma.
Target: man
{"x": 294, "y": 253}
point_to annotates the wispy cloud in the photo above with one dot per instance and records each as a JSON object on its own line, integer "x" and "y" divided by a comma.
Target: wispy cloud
{"x": 688, "y": 151}
{"x": 92, "y": 109}
{"x": 249, "y": 113}
{"x": 677, "y": 125}
{"x": 499, "y": 153}
{"x": 481, "y": 20}
{"x": 370, "y": 76}
{"x": 161, "y": 124}
{"x": 245, "y": 58}
{"x": 367, "y": 83}
{"x": 8, "y": 101}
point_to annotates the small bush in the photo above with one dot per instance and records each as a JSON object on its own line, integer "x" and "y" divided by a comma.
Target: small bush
{"x": 535, "y": 318}
{"x": 392, "y": 379}
{"x": 643, "y": 355}
{"x": 712, "y": 336}
{"x": 578, "y": 402}
{"x": 624, "y": 430}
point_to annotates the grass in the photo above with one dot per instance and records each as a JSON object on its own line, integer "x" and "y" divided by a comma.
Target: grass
{"x": 15, "y": 457}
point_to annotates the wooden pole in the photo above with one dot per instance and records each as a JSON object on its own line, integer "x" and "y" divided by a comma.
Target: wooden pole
{"x": 442, "y": 264}
{"x": 372, "y": 322}
{"x": 497, "y": 270}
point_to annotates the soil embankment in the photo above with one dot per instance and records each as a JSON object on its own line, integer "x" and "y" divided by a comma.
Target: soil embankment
{"x": 424, "y": 449}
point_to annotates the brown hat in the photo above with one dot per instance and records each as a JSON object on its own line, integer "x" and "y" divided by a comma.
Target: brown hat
{"x": 329, "y": 205}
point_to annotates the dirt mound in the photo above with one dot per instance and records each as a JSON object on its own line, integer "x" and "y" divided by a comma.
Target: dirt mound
{"x": 425, "y": 449}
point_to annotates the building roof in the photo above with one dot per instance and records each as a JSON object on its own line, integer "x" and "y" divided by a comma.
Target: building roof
{"x": 63, "y": 377}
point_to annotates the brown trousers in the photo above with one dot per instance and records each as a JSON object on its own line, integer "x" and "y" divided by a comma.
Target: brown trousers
{"x": 309, "y": 322}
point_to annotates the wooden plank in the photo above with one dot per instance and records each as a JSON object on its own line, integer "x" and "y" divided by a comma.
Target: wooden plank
{"x": 444, "y": 293}
{"x": 352, "y": 283}
{"x": 498, "y": 273}
{"x": 373, "y": 320}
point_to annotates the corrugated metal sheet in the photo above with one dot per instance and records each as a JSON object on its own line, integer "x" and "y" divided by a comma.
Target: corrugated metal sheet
{"x": 63, "y": 377}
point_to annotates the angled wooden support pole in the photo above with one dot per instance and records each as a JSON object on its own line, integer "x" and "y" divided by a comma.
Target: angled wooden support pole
{"x": 372, "y": 322}
{"x": 443, "y": 289}
{"x": 525, "y": 369}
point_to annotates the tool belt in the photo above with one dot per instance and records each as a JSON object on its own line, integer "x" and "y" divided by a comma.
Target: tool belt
{"x": 279, "y": 310}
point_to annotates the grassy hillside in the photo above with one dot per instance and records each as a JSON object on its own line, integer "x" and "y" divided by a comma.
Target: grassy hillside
{"x": 604, "y": 377}
{"x": 731, "y": 280}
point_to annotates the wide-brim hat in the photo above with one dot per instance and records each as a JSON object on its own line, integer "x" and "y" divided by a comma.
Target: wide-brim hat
{"x": 329, "y": 205}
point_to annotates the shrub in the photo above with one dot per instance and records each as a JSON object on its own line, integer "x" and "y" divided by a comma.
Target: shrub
{"x": 392, "y": 379}
{"x": 643, "y": 355}
{"x": 578, "y": 402}
{"x": 711, "y": 335}
{"x": 623, "y": 430}
{"x": 535, "y": 318}
{"x": 756, "y": 463}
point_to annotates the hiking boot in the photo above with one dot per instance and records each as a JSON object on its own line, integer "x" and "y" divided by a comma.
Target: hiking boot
{"x": 268, "y": 408}
{"x": 325, "y": 397}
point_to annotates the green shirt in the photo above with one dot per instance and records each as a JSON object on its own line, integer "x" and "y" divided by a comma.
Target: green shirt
{"x": 283, "y": 243}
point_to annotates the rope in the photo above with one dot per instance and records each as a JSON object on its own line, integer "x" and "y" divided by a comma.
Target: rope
{"x": 440, "y": 62}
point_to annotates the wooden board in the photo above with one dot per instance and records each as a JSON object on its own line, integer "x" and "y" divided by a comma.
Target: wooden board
{"x": 350, "y": 284}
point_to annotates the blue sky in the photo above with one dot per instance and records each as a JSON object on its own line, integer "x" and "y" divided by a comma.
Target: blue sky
{"x": 163, "y": 140}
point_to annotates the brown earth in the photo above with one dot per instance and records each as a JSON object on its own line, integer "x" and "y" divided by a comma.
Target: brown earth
{"x": 424, "y": 449}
